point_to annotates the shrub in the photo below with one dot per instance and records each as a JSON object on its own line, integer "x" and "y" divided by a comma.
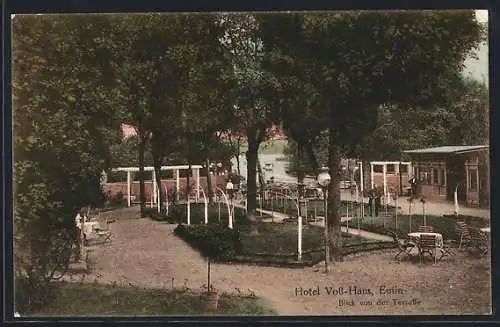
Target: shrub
{"x": 118, "y": 200}
{"x": 214, "y": 241}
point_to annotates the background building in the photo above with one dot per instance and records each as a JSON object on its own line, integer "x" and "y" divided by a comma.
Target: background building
{"x": 441, "y": 170}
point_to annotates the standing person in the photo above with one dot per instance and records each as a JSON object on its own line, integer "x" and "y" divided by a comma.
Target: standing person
{"x": 377, "y": 201}
{"x": 371, "y": 197}
{"x": 413, "y": 185}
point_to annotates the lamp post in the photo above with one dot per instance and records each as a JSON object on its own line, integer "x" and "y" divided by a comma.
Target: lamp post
{"x": 324, "y": 179}
{"x": 230, "y": 191}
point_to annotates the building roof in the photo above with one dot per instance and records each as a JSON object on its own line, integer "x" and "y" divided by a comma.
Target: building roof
{"x": 451, "y": 149}
{"x": 148, "y": 168}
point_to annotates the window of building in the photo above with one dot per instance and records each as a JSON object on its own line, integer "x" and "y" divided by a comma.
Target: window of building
{"x": 390, "y": 168}
{"x": 435, "y": 176}
{"x": 378, "y": 168}
{"x": 428, "y": 178}
{"x": 403, "y": 169}
{"x": 473, "y": 179}
{"x": 442, "y": 177}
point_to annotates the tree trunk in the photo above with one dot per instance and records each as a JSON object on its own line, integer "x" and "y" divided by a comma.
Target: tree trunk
{"x": 366, "y": 175}
{"x": 142, "y": 188}
{"x": 210, "y": 191}
{"x": 157, "y": 162}
{"x": 262, "y": 182}
{"x": 334, "y": 223}
{"x": 253, "y": 147}
{"x": 188, "y": 180}
{"x": 238, "y": 156}
{"x": 312, "y": 158}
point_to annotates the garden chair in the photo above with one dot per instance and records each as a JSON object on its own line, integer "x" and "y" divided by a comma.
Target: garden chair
{"x": 404, "y": 246}
{"x": 427, "y": 245}
{"x": 447, "y": 250}
{"x": 478, "y": 241}
{"x": 104, "y": 234}
{"x": 462, "y": 231}
{"x": 425, "y": 229}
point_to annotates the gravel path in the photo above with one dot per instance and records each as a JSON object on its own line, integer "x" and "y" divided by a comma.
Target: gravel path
{"x": 146, "y": 253}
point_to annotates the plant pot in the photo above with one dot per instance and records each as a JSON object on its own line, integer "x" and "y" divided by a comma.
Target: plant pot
{"x": 209, "y": 301}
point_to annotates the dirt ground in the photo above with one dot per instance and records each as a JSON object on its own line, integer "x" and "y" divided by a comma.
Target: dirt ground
{"x": 146, "y": 253}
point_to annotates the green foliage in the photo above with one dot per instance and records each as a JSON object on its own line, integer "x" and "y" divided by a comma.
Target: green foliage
{"x": 343, "y": 66}
{"x": 464, "y": 120}
{"x": 63, "y": 122}
{"x": 215, "y": 241}
{"x": 118, "y": 200}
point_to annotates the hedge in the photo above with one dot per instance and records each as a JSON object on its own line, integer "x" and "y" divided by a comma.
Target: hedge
{"x": 215, "y": 241}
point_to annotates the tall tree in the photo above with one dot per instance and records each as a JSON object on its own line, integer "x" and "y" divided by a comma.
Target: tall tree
{"x": 211, "y": 94}
{"x": 63, "y": 121}
{"x": 362, "y": 61}
{"x": 254, "y": 87}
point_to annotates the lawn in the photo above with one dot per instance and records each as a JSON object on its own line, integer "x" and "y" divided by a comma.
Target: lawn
{"x": 315, "y": 207}
{"x": 276, "y": 241}
{"x": 93, "y": 299}
{"x": 405, "y": 224}
{"x": 281, "y": 239}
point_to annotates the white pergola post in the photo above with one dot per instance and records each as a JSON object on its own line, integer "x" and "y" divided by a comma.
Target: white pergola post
{"x": 384, "y": 172}
{"x": 128, "y": 187}
{"x": 467, "y": 184}
{"x": 196, "y": 174}
{"x": 155, "y": 192}
{"x": 177, "y": 184}
{"x": 188, "y": 212}
{"x": 371, "y": 174}
{"x": 362, "y": 183}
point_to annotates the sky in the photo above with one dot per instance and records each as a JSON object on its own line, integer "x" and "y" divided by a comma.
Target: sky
{"x": 478, "y": 68}
{"x": 482, "y": 16}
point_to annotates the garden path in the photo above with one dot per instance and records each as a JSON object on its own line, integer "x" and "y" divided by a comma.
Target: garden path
{"x": 146, "y": 253}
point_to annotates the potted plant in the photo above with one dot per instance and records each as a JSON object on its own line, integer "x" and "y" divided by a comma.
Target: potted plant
{"x": 209, "y": 296}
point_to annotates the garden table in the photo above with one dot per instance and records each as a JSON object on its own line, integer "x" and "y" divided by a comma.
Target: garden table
{"x": 415, "y": 237}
